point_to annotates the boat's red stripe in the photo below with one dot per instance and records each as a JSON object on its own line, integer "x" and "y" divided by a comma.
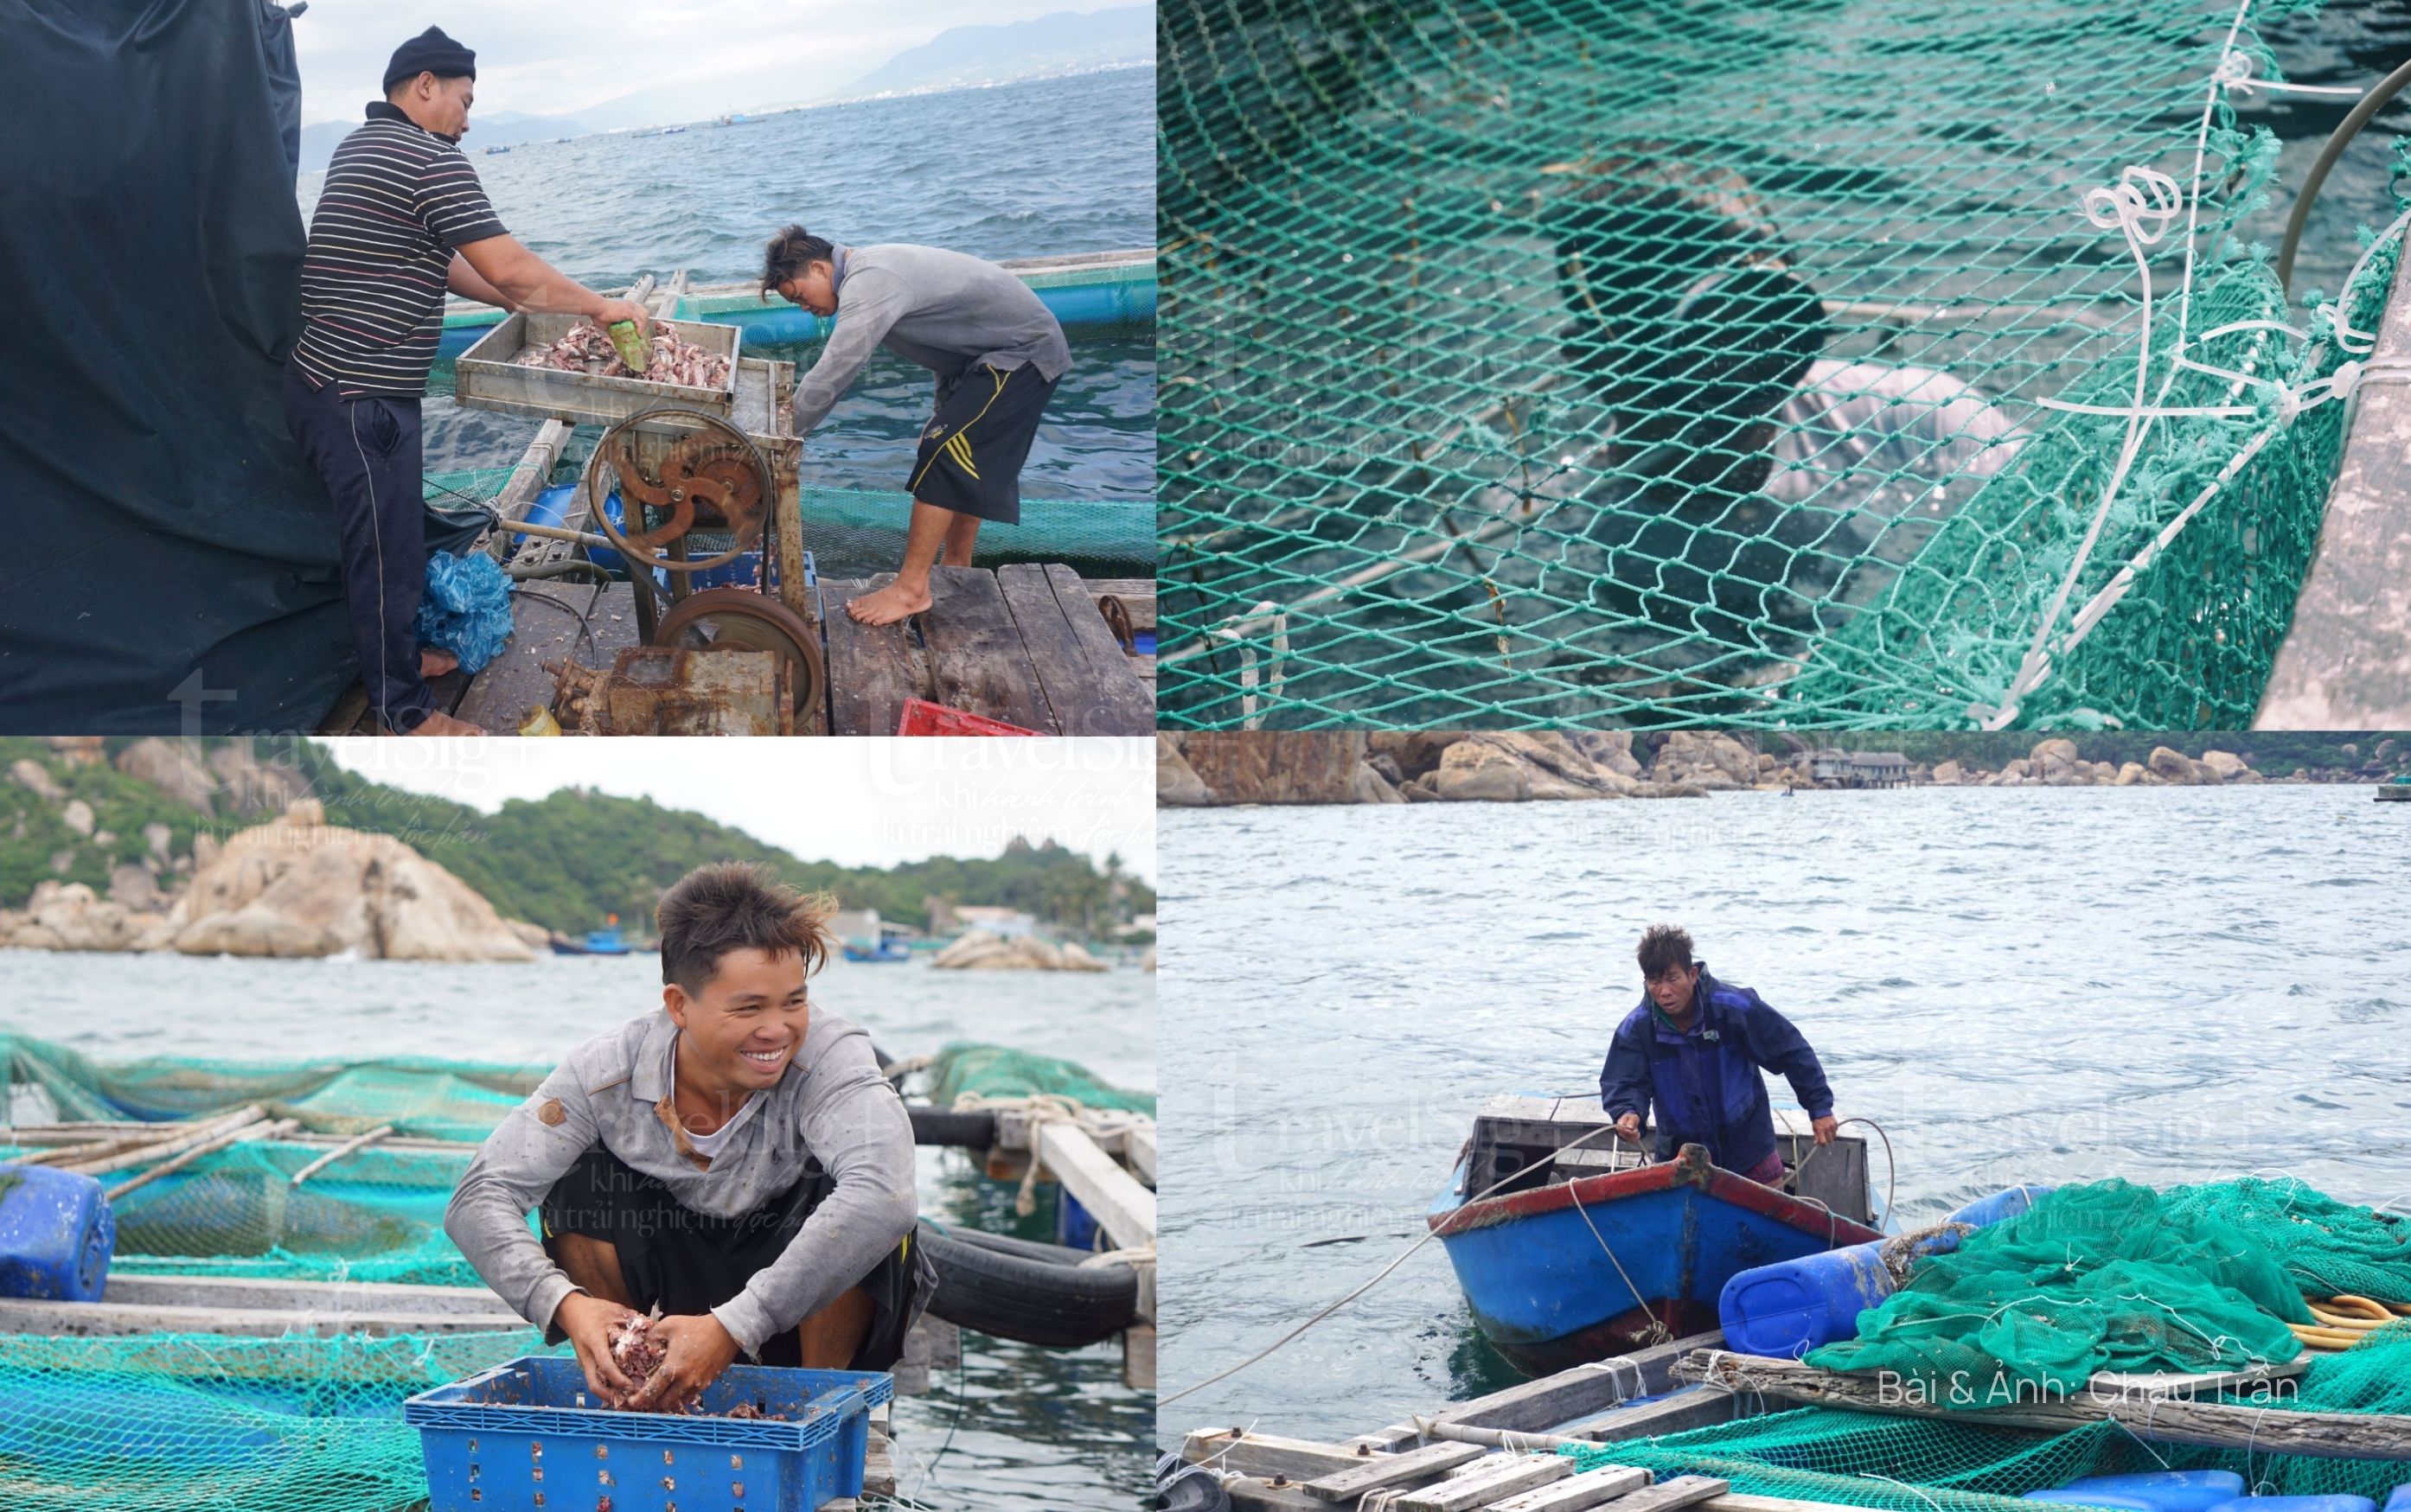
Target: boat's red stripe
{"x": 1690, "y": 1168}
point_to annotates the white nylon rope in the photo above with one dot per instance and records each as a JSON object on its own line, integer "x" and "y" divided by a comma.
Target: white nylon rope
{"x": 2141, "y": 207}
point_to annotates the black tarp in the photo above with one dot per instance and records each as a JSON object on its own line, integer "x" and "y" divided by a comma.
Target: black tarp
{"x": 169, "y": 560}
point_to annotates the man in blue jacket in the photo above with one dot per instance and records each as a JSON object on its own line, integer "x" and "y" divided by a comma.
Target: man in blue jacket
{"x": 1694, "y": 1049}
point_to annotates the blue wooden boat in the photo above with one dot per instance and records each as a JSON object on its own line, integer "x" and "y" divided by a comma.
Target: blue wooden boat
{"x": 888, "y": 949}
{"x": 608, "y": 941}
{"x": 1592, "y": 1253}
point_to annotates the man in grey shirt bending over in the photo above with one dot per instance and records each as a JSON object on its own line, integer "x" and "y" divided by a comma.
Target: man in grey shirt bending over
{"x": 996, "y": 348}
{"x": 736, "y": 1158}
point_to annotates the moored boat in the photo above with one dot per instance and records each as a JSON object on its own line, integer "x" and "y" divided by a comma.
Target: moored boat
{"x": 605, "y": 941}
{"x": 1569, "y": 1250}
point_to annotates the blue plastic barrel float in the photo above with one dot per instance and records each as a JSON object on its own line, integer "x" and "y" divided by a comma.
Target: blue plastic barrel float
{"x": 56, "y": 1235}
{"x": 1788, "y": 1308}
{"x": 2297, "y": 1503}
{"x": 2401, "y": 1499}
{"x": 2155, "y": 1491}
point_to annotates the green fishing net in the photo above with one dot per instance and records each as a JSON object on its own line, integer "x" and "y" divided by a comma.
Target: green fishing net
{"x": 2104, "y": 1277}
{"x": 373, "y": 1215}
{"x": 1695, "y": 361}
{"x": 1000, "y": 1071}
{"x": 422, "y": 1098}
{"x": 172, "y": 1421}
{"x": 1909, "y": 1464}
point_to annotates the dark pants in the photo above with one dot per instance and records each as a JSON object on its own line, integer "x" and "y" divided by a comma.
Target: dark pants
{"x": 690, "y": 1262}
{"x": 367, "y": 449}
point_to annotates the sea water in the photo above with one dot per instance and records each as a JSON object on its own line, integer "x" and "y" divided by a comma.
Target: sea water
{"x": 2052, "y": 985}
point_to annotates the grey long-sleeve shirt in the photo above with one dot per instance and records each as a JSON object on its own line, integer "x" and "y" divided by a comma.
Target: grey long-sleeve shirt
{"x": 946, "y": 311}
{"x": 614, "y": 1091}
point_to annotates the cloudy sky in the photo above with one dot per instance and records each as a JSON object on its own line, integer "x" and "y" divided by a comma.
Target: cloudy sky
{"x": 558, "y": 57}
{"x": 862, "y": 803}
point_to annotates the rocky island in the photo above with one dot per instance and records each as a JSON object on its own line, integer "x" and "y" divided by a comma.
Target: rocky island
{"x": 1205, "y": 769}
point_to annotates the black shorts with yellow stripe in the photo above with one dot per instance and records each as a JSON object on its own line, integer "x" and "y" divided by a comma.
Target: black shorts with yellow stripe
{"x": 974, "y": 446}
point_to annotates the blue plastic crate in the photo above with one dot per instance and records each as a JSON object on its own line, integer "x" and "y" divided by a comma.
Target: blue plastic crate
{"x": 513, "y": 1439}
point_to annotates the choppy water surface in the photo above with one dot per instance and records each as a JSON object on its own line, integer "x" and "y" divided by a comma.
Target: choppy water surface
{"x": 1022, "y": 171}
{"x": 2165, "y": 985}
{"x": 1033, "y": 1430}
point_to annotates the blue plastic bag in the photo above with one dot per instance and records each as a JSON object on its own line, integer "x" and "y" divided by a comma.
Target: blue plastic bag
{"x": 466, "y": 610}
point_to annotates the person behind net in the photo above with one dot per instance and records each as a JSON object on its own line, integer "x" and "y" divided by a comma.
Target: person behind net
{"x": 996, "y": 349}
{"x": 1693, "y": 1049}
{"x": 734, "y": 1156}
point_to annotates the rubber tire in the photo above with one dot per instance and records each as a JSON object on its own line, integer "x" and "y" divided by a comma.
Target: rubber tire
{"x": 1013, "y": 1288}
{"x": 974, "y": 1130}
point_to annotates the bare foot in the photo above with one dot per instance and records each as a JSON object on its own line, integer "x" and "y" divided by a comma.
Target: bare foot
{"x": 888, "y": 604}
{"x": 436, "y": 664}
{"x": 440, "y": 723}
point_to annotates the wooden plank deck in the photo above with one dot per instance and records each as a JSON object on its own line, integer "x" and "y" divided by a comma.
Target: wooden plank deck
{"x": 1025, "y": 644}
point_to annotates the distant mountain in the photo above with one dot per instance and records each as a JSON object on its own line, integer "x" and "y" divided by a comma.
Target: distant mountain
{"x": 505, "y": 128}
{"x": 1062, "y": 43}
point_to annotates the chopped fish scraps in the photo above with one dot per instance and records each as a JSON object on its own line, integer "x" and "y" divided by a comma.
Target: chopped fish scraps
{"x": 586, "y": 349}
{"x": 633, "y": 1348}
{"x": 636, "y": 1353}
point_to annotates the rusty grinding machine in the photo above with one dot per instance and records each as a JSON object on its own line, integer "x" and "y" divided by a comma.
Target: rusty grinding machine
{"x": 705, "y": 475}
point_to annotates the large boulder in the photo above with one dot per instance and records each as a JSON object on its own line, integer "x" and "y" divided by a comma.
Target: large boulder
{"x": 1417, "y": 752}
{"x": 2055, "y": 761}
{"x": 1705, "y": 760}
{"x": 35, "y": 778}
{"x": 2133, "y": 774}
{"x": 299, "y": 887}
{"x": 1373, "y": 787}
{"x": 76, "y": 816}
{"x": 1609, "y": 749}
{"x": 1508, "y": 766}
{"x": 980, "y": 950}
{"x": 1177, "y": 785}
{"x": 1949, "y": 775}
{"x": 68, "y": 916}
{"x": 172, "y": 766}
{"x": 135, "y": 888}
{"x": 1276, "y": 766}
{"x": 2172, "y": 766}
{"x": 247, "y": 785}
{"x": 2228, "y": 767}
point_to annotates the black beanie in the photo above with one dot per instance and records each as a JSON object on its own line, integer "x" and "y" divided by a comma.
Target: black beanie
{"x": 429, "y": 52}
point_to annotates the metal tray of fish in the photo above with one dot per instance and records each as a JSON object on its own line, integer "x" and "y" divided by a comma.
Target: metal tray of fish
{"x": 493, "y": 375}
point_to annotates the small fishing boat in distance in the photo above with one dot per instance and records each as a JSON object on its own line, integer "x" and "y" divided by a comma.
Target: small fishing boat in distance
{"x": 1569, "y": 1248}
{"x": 2398, "y": 791}
{"x": 895, "y": 944}
{"x": 605, "y": 941}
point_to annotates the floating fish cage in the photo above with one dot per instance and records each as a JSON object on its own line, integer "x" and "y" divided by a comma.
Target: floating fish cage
{"x": 492, "y": 374}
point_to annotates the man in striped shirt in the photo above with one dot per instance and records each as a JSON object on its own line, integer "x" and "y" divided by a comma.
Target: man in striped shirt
{"x": 401, "y": 219}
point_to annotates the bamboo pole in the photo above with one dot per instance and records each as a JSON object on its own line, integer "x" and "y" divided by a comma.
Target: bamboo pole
{"x": 261, "y": 1130}
{"x": 196, "y": 1134}
{"x": 339, "y": 1152}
